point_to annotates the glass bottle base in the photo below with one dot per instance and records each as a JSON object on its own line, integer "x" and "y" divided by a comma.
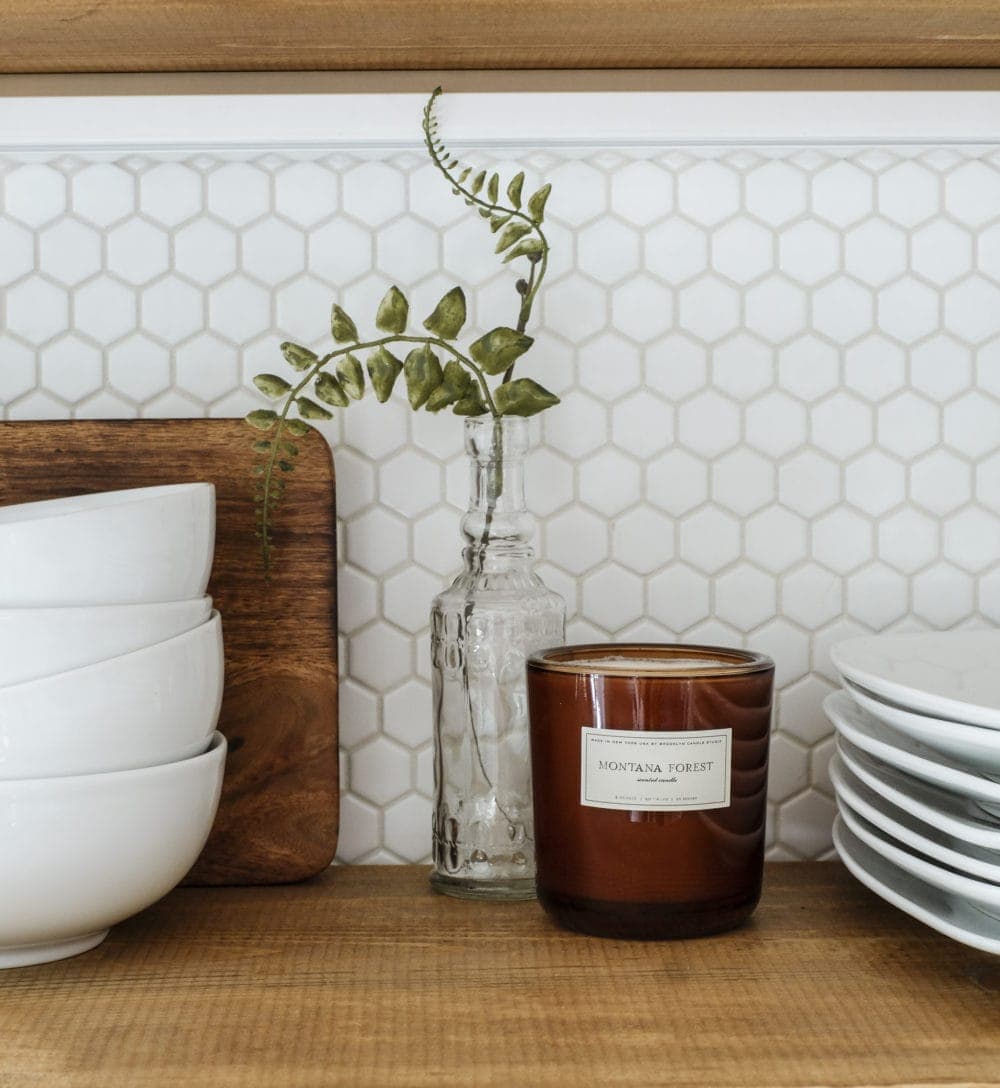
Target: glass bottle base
{"x": 503, "y": 891}
{"x": 646, "y": 921}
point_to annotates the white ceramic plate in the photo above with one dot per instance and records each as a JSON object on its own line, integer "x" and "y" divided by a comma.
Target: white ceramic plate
{"x": 978, "y": 893}
{"x": 946, "y": 913}
{"x": 934, "y": 844}
{"x": 962, "y": 819}
{"x": 950, "y": 674}
{"x": 906, "y": 754}
{"x": 974, "y": 746}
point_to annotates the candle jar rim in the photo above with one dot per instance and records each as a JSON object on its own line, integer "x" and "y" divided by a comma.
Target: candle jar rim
{"x": 659, "y": 660}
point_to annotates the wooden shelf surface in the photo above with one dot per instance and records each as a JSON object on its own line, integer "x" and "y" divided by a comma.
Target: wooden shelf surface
{"x": 339, "y": 35}
{"x": 364, "y": 977}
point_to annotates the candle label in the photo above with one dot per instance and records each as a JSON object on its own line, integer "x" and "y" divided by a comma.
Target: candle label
{"x": 655, "y": 772}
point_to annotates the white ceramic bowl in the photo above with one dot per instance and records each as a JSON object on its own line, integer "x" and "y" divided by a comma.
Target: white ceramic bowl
{"x": 37, "y": 642}
{"x": 118, "y": 547}
{"x": 156, "y": 705}
{"x": 79, "y": 854}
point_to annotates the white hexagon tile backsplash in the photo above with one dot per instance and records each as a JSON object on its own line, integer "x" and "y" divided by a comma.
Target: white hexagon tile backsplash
{"x": 780, "y": 372}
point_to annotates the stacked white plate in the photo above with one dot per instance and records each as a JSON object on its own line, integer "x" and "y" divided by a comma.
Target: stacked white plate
{"x": 917, "y": 776}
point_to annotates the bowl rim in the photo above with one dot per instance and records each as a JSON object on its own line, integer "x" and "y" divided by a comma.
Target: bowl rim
{"x": 74, "y": 505}
{"x": 55, "y": 610}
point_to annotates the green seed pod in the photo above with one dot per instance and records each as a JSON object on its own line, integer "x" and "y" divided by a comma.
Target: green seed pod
{"x": 298, "y": 357}
{"x": 423, "y": 375}
{"x": 330, "y": 391}
{"x": 383, "y": 369}
{"x": 351, "y": 376}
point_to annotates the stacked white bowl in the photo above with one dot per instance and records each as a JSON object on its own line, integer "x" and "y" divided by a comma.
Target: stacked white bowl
{"x": 917, "y": 775}
{"x": 111, "y": 673}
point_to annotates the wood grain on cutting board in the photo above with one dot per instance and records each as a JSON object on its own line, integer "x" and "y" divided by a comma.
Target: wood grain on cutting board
{"x": 278, "y": 817}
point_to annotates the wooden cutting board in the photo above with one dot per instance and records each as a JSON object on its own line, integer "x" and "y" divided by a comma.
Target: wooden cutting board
{"x": 278, "y": 817}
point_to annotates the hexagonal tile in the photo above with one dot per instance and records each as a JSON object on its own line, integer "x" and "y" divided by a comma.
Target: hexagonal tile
{"x": 808, "y": 368}
{"x": 789, "y": 771}
{"x": 305, "y": 193}
{"x": 742, "y": 250}
{"x": 359, "y": 829}
{"x": 642, "y": 308}
{"x": 239, "y": 309}
{"x": 139, "y": 368}
{"x": 642, "y": 424}
{"x": 676, "y": 250}
{"x": 800, "y": 710}
{"x": 971, "y": 424}
{"x": 806, "y": 822}
{"x": 608, "y": 367}
{"x": 675, "y": 366}
{"x": 170, "y": 193}
{"x": 775, "y": 424}
{"x": 380, "y": 657}
{"x": 68, "y": 251}
{"x": 878, "y": 596}
{"x": 709, "y": 309}
{"x": 972, "y": 193}
{"x": 809, "y": 252}
{"x": 679, "y": 597}
{"x": 677, "y": 482}
{"x": 204, "y": 251}
{"x": 357, "y": 599}
{"x": 941, "y": 252}
{"x": 809, "y": 483}
{"x": 940, "y": 482}
{"x": 776, "y": 192}
{"x": 708, "y": 192}
{"x": 238, "y": 193}
{"x": 941, "y": 367}
{"x": 340, "y": 251}
{"x": 380, "y": 770}
{"x": 843, "y": 540}
{"x": 576, "y": 540}
{"x": 972, "y": 539}
{"x": 843, "y": 310}
{"x": 609, "y": 482}
{"x": 909, "y": 310}
{"x": 641, "y": 192}
{"x": 776, "y": 309}
{"x": 708, "y": 424}
{"x": 37, "y": 310}
{"x": 137, "y": 251}
{"x": 71, "y": 368}
{"x": 972, "y": 309}
{"x": 34, "y": 193}
{"x": 582, "y": 193}
{"x": 787, "y": 644}
{"x": 377, "y": 541}
{"x": 875, "y": 367}
{"x": 988, "y": 482}
{"x": 811, "y": 595}
{"x": 408, "y": 827}
{"x": 745, "y": 597}
{"x": 908, "y": 540}
{"x": 875, "y": 483}
{"x": 842, "y": 425}
{"x": 709, "y": 539}
{"x": 612, "y": 597}
{"x": 875, "y": 252}
{"x": 579, "y": 427}
{"x": 775, "y": 539}
{"x": 409, "y": 483}
{"x": 407, "y": 598}
{"x": 173, "y": 309}
{"x": 273, "y": 251}
{"x": 436, "y": 541}
{"x": 377, "y": 429}
{"x": 608, "y": 251}
{"x": 207, "y": 367}
{"x": 575, "y": 307}
{"x": 842, "y": 194}
{"x": 743, "y": 481}
{"x": 943, "y": 595}
{"x": 407, "y": 249}
{"x": 643, "y": 539}
{"x": 18, "y": 369}
{"x": 374, "y": 193}
{"x": 908, "y": 194}
{"x": 989, "y": 596}
{"x": 408, "y": 712}
{"x": 103, "y": 193}
{"x": 548, "y": 482}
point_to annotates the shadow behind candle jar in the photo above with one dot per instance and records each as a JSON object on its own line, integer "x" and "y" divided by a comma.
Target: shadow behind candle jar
{"x": 653, "y": 871}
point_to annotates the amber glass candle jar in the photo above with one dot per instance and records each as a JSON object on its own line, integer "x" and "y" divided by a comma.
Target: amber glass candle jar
{"x": 649, "y": 766}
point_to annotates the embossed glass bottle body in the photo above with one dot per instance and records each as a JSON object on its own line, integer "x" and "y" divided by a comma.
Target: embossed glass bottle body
{"x": 495, "y": 613}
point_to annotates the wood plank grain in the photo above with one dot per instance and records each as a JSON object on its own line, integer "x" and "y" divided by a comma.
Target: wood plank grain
{"x": 302, "y": 35}
{"x": 363, "y": 977}
{"x": 278, "y": 817}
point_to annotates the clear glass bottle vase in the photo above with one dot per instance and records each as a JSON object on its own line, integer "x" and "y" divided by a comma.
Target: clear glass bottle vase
{"x": 495, "y": 613}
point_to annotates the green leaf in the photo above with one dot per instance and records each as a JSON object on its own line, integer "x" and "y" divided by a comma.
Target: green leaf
{"x": 514, "y": 189}
{"x": 493, "y": 188}
{"x": 456, "y": 384}
{"x": 271, "y": 385}
{"x": 286, "y": 466}
{"x": 309, "y": 409}
{"x": 393, "y": 311}
{"x": 511, "y": 234}
{"x": 498, "y": 221}
{"x": 330, "y": 391}
{"x": 523, "y": 397}
{"x": 297, "y": 428}
{"x": 262, "y": 419}
{"x": 423, "y": 375}
{"x": 536, "y": 203}
{"x": 351, "y": 376}
{"x": 527, "y": 247}
{"x": 263, "y": 446}
{"x": 383, "y": 369}
{"x": 472, "y": 404}
{"x": 449, "y": 315}
{"x": 342, "y": 327}
{"x": 477, "y": 181}
{"x": 298, "y": 357}
{"x": 290, "y": 448}
{"x": 500, "y": 347}
{"x": 465, "y": 173}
